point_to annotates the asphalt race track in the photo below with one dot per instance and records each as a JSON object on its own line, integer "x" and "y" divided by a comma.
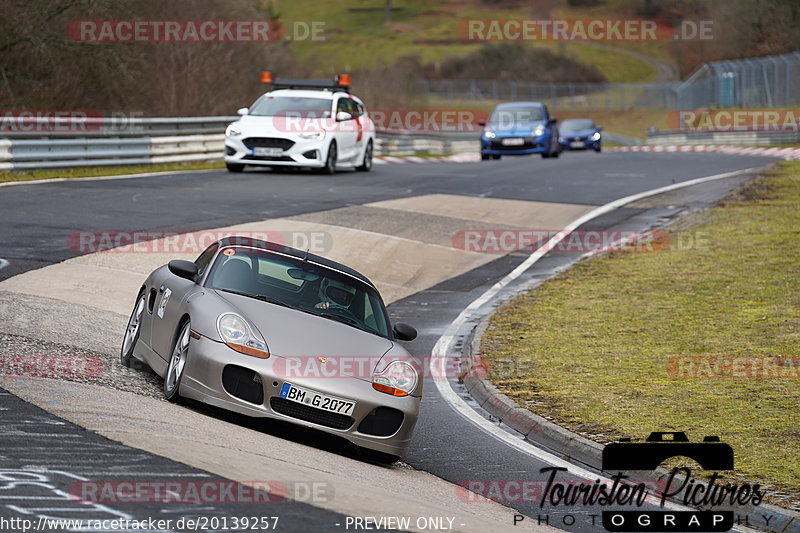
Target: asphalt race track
{"x": 39, "y": 220}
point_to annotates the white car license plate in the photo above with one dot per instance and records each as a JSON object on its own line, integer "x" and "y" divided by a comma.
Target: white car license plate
{"x": 267, "y": 151}
{"x": 514, "y": 141}
{"x": 325, "y": 402}
{"x": 576, "y": 144}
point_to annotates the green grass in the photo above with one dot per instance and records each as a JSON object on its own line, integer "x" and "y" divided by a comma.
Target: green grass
{"x": 355, "y": 40}
{"x": 88, "y": 172}
{"x": 590, "y": 347}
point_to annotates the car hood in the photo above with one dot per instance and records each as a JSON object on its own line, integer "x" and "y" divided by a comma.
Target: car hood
{"x": 516, "y": 129}
{"x": 292, "y": 333}
{"x": 579, "y": 133}
{"x": 255, "y": 125}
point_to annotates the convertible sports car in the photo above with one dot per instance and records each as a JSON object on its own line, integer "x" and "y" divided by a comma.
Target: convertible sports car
{"x": 270, "y": 331}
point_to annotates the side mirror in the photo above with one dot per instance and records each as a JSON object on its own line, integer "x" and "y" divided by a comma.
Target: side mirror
{"x": 341, "y": 116}
{"x": 482, "y": 123}
{"x": 183, "y": 269}
{"x": 552, "y": 121}
{"x": 242, "y": 111}
{"x": 599, "y": 128}
{"x": 404, "y": 332}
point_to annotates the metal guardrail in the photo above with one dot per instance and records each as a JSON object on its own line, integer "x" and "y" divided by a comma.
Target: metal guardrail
{"x": 78, "y": 126}
{"x": 43, "y": 143}
{"x": 47, "y": 143}
{"x": 744, "y": 138}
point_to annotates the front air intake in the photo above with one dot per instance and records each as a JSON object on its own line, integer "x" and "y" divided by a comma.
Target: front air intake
{"x": 243, "y": 383}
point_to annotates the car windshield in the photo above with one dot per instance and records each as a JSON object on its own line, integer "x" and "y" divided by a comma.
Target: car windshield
{"x": 301, "y": 285}
{"x": 291, "y": 106}
{"x": 512, "y": 115}
{"x": 578, "y": 124}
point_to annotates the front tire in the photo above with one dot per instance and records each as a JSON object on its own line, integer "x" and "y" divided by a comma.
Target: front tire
{"x": 177, "y": 364}
{"x": 330, "y": 161}
{"x": 234, "y": 167}
{"x": 366, "y": 165}
{"x": 550, "y": 152}
{"x": 132, "y": 330}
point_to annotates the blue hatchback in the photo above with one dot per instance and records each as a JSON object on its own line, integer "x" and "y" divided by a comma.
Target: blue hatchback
{"x": 580, "y": 134}
{"x": 520, "y": 128}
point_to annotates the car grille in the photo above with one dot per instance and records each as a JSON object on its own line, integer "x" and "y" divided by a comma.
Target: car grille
{"x": 267, "y": 142}
{"x": 310, "y": 414}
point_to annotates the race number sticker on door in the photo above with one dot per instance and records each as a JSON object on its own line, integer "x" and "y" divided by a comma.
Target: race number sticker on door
{"x": 162, "y": 306}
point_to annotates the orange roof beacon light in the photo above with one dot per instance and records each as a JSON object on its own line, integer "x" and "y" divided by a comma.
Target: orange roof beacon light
{"x": 343, "y": 80}
{"x": 266, "y": 77}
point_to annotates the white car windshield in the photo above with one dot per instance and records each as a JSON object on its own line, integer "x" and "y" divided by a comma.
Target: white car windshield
{"x": 291, "y": 106}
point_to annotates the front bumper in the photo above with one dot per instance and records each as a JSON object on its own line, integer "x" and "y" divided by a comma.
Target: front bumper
{"x": 203, "y": 381}
{"x": 302, "y": 152}
{"x": 531, "y": 145}
{"x": 587, "y": 144}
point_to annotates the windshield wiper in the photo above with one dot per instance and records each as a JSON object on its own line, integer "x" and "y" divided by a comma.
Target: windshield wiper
{"x": 263, "y": 298}
{"x": 347, "y": 321}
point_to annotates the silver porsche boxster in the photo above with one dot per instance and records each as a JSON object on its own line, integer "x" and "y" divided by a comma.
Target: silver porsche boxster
{"x": 270, "y": 331}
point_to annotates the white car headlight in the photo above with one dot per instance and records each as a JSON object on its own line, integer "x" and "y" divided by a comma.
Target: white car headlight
{"x": 240, "y": 336}
{"x": 399, "y": 378}
{"x": 314, "y": 135}
{"x": 595, "y": 136}
{"x": 489, "y": 134}
{"x": 538, "y": 131}
{"x": 232, "y": 131}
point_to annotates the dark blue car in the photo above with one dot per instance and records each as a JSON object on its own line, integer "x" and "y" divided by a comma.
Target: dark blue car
{"x": 520, "y": 128}
{"x": 580, "y": 134}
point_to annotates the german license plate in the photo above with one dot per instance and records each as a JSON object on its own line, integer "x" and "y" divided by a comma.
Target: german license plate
{"x": 576, "y": 144}
{"x": 332, "y": 404}
{"x": 514, "y": 141}
{"x": 267, "y": 151}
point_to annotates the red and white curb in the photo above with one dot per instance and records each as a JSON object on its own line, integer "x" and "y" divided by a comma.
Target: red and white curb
{"x": 784, "y": 153}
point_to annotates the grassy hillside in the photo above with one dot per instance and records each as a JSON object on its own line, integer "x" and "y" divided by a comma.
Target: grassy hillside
{"x": 356, "y": 36}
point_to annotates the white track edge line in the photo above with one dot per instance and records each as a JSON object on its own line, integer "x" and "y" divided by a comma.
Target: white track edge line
{"x": 443, "y": 344}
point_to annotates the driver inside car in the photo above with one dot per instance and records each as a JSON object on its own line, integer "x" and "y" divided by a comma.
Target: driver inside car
{"x": 334, "y": 294}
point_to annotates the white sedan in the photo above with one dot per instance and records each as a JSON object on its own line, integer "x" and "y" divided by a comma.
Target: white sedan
{"x": 308, "y": 124}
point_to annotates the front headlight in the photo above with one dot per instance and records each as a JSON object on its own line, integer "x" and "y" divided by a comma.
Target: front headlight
{"x": 595, "y": 136}
{"x": 539, "y": 131}
{"x": 240, "y": 336}
{"x": 489, "y": 134}
{"x": 314, "y": 135}
{"x": 232, "y": 131}
{"x": 399, "y": 378}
